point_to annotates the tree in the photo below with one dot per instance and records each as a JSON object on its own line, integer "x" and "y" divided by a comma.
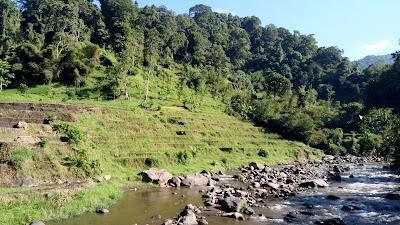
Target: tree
{"x": 127, "y": 61}
{"x": 120, "y": 17}
{"x": 239, "y": 47}
{"x": 276, "y": 84}
{"x": 198, "y": 10}
{"x": 5, "y": 74}
{"x": 10, "y": 19}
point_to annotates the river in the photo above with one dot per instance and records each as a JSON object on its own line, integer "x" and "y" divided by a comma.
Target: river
{"x": 361, "y": 190}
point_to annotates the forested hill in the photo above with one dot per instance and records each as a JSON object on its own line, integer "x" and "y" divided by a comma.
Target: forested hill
{"x": 279, "y": 79}
{"x": 375, "y": 60}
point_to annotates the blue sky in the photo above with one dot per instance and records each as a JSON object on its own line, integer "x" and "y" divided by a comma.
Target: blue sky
{"x": 359, "y": 27}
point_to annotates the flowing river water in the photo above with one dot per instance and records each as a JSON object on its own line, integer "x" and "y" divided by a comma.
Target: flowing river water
{"x": 362, "y": 190}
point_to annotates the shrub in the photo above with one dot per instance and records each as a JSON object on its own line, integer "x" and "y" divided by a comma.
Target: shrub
{"x": 145, "y": 105}
{"x": 82, "y": 164}
{"x": 20, "y": 156}
{"x": 183, "y": 157}
{"x": 224, "y": 161}
{"x": 44, "y": 142}
{"x": 23, "y": 88}
{"x": 336, "y": 150}
{"x": 369, "y": 144}
{"x": 72, "y": 134}
{"x": 262, "y": 153}
{"x": 149, "y": 162}
{"x": 50, "y": 118}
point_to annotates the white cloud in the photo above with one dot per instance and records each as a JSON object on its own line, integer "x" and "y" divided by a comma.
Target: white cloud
{"x": 375, "y": 47}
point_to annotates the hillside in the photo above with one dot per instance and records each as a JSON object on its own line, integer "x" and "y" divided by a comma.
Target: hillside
{"x": 375, "y": 60}
{"x": 120, "y": 140}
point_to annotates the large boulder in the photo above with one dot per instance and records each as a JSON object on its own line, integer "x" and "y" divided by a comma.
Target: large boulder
{"x": 232, "y": 204}
{"x": 195, "y": 180}
{"x": 314, "y": 183}
{"x": 22, "y": 125}
{"x": 257, "y": 166}
{"x": 156, "y": 176}
{"x": 393, "y": 196}
{"x": 189, "y": 216}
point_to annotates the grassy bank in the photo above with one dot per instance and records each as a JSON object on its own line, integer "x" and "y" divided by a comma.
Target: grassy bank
{"x": 121, "y": 138}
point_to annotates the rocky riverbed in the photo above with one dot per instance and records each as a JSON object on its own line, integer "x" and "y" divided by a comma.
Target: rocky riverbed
{"x": 345, "y": 190}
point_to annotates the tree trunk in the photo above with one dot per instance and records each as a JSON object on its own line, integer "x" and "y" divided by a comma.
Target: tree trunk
{"x": 126, "y": 88}
{"x": 146, "y": 90}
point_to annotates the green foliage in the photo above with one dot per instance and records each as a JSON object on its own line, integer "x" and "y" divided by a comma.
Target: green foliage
{"x": 23, "y": 88}
{"x": 84, "y": 166}
{"x": 370, "y": 144}
{"x": 276, "y": 84}
{"x": 262, "y": 153}
{"x": 183, "y": 157}
{"x": 10, "y": 22}
{"x": 20, "y": 156}
{"x": 378, "y": 121}
{"x": 5, "y": 74}
{"x": 72, "y": 133}
{"x": 43, "y": 143}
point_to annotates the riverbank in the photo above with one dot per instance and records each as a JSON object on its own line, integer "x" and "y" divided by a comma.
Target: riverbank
{"x": 58, "y": 179}
{"x": 358, "y": 199}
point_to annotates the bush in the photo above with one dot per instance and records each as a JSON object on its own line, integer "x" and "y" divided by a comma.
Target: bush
{"x": 262, "y": 153}
{"x": 336, "y": 150}
{"x": 50, "y": 118}
{"x": 82, "y": 164}
{"x": 183, "y": 157}
{"x": 23, "y": 88}
{"x": 369, "y": 144}
{"x": 224, "y": 161}
{"x": 297, "y": 126}
{"x": 72, "y": 134}
{"x": 149, "y": 162}
{"x": 44, "y": 142}
{"x": 20, "y": 156}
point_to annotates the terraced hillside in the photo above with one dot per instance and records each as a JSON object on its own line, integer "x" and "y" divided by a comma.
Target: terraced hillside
{"x": 42, "y": 177}
{"x": 170, "y": 137}
{"x": 30, "y": 156}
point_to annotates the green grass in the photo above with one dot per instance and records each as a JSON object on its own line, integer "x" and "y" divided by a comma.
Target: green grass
{"x": 123, "y": 138}
{"x": 20, "y": 156}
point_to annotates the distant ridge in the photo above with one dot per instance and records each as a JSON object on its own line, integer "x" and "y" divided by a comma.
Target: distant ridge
{"x": 374, "y": 60}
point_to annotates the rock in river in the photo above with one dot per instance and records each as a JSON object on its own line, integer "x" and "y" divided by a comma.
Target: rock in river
{"x": 335, "y": 221}
{"x": 189, "y": 216}
{"x": 37, "y": 223}
{"x": 102, "y": 211}
{"x": 156, "y": 176}
{"x": 393, "y": 196}
{"x": 195, "y": 180}
{"x": 314, "y": 183}
{"x": 232, "y": 204}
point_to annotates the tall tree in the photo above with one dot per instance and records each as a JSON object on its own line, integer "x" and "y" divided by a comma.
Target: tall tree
{"x": 5, "y": 74}
{"x": 10, "y": 19}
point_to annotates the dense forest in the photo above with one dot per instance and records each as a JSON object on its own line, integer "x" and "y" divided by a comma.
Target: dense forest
{"x": 279, "y": 79}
